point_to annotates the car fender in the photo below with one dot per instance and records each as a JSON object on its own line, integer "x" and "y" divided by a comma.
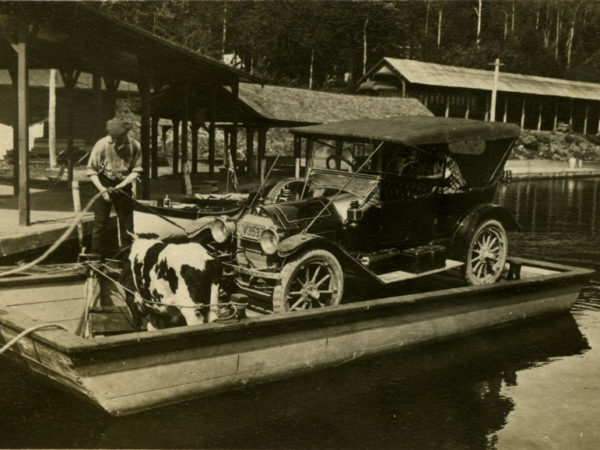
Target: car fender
{"x": 304, "y": 241}
{"x": 467, "y": 225}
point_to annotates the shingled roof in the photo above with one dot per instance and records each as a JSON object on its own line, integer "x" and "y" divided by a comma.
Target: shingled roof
{"x": 425, "y": 73}
{"x": 294, "y": 106}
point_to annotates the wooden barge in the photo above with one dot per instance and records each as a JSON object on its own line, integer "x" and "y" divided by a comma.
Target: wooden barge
{"x": 135, "y": 371}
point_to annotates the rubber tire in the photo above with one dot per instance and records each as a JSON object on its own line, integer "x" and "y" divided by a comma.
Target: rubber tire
{"x": 279, "y": 301}
{"x": 468, "y": 269}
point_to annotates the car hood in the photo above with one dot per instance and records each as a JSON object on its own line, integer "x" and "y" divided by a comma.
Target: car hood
{"x": 297, "y": 215}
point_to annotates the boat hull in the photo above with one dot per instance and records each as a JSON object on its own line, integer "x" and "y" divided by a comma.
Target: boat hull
{"x": 128, "y": 373}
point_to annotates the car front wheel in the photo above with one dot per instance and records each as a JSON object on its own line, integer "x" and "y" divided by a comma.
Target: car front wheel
{"x": 313, "y": 280}
{"x": 486, "y": 253}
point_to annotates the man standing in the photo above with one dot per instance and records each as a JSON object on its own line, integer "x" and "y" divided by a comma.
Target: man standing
{"x": 115, "y": 162}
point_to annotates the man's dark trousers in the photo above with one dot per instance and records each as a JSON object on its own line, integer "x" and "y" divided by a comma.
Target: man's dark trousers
{"x": 124, "y": 209}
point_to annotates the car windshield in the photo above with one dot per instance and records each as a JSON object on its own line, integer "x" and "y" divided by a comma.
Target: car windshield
{"x": 361, "y": 186}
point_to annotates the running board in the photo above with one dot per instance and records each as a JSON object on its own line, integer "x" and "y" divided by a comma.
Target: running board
{"x": 400, "y": 275}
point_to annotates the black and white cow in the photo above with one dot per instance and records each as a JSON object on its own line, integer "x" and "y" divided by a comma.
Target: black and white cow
{"x": 166, "y": 273}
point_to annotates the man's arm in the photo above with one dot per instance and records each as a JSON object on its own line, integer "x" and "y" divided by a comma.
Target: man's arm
{"x": 130, "y": 179}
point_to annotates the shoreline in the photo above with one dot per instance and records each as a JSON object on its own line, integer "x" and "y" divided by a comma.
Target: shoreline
{"x": 539, "y": 169}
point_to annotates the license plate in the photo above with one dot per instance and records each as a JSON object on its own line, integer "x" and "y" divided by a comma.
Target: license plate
{"x": 251, "y": 231}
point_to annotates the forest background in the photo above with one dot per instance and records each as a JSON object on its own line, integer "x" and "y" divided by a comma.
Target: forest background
{"x": 329, "y": 44}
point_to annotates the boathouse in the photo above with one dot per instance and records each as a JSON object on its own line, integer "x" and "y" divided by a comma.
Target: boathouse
{"x": 534, "y": 102}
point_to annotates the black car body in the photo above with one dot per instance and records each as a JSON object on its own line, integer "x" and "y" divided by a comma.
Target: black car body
{"x": 418, "y": 199}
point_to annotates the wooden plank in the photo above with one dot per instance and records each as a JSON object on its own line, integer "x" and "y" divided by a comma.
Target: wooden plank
{"x": 400, "y": 275}
{"x": 58, "y": 310}
{"x": 43, "y": 293}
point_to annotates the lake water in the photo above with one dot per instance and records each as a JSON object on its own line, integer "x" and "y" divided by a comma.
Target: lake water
{"x": 532, "y": 386}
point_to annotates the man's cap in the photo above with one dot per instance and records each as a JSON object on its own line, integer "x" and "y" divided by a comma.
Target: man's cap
{"x": 117, "y": 126}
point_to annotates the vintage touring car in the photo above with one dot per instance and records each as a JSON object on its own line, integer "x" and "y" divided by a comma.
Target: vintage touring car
{"x": 396, "y": 199}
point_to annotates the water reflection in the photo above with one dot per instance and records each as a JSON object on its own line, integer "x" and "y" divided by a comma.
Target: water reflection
{"x": 558, "y": 219}
{"x": 445, "y": 396}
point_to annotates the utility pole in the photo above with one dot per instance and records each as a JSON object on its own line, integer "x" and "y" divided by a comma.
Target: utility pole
{"x": 365, "y": 46}
{"x": 439, "y": 30}
{"x": 494, "y": 90}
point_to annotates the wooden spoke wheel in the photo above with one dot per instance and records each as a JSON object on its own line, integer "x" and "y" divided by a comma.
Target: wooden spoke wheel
{"x": 313, "y": 280}
{"x": 486, "y": 253}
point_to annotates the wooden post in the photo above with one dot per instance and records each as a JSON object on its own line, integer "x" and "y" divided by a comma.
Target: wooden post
{"x": 468, "y": 110}
{"x": 571, "y": 115}
{"x": 403, "y": 88}
{"x": 486, "y": 116}
{"x": 297, "y": 155}
{"x": 250, "y": 151}
{"x": 15, "y": 131}
{"x": 175, "y": 146}
{"x": 69, "y": 77}
{"x": 494, "y": 88}
{"x": 234, "y": 138}
{"x": 447, "y": 112}
{"x": 112, "y": 85}
{"x": 146, "y": 111}
{"x": 309, "y": 155}
{"x": 262, "y": 148}
{"x": 77, "y": 209}
{"x": 523, "y": 112}
{"x": 339, "y": 151}
{"x": 555, "y": 125}
{"x": 539, "y": 123}
{"x": 99, "y": 120}
{"x": 585, "y": 121}
{"x": 22, "y": 50}
{"x": 164, "y": 129}
{"x": 505, "y": 116}
{"x": 52, "y": 119}
{"x": 185, "y": 169}
{"x": 195, "y": 128}
{"x": 211, "y": 131}
{"x": 154, "y": 137}
{"x": 184, "y": 124}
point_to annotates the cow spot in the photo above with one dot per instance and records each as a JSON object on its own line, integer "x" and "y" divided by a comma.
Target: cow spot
{"x": 168, "y": 273}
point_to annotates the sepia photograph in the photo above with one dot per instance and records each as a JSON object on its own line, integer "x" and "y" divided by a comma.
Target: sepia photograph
{"x": 300, "y": 224}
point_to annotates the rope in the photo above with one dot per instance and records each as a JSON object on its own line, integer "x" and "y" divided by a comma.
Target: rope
{"x": 236, "y": 305}
{"x": 63, "y": 237}
{"x": 27, "y": 331}
{"x": 78, "y": 218}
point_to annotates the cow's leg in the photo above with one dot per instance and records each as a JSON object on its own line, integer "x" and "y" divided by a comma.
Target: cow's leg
{"x": 190, "y": 316}
{"x": 214, "y": 302}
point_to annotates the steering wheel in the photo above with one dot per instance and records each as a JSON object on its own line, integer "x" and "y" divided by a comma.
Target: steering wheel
{"x": 340, "y": 159}
{"x": 293, "y": 185}
{"x": 405, "y": 166}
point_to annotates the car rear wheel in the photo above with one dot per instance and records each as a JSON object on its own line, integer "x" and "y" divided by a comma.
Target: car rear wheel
{"x": 486, "y": 253}
{"x": 313, "y": 280}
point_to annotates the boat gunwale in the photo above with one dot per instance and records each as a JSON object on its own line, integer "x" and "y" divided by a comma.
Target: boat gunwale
{"x": 71, "y": 344}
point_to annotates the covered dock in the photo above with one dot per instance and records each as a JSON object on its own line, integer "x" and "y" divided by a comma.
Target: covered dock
{"x": 533, "y": 102}
{"x": 76, "y": 38}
